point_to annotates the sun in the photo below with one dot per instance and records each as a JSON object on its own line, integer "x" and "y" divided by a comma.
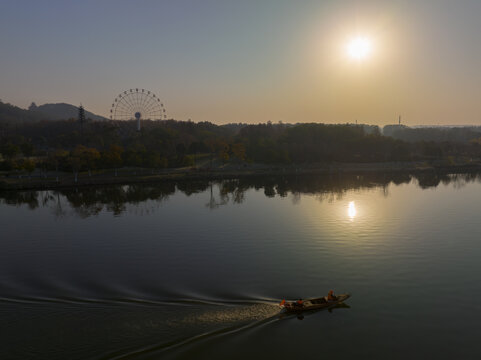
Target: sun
{"x": 359, "y": 48}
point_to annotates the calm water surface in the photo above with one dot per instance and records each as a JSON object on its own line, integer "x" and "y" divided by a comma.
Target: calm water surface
{"x": 196, "y": 270}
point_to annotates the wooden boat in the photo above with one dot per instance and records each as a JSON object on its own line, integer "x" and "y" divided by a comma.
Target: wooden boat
{"x": 312, "y": 304}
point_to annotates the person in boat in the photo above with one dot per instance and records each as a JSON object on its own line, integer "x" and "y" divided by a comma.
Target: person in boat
{"x": 331, "y": 296}
{"x": 288, "y": 305}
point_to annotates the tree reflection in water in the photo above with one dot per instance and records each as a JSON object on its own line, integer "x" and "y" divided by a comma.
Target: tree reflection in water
{"x": 91, "y": 201}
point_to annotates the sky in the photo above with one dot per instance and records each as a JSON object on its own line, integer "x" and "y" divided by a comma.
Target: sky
{"x": 249, "y": 61}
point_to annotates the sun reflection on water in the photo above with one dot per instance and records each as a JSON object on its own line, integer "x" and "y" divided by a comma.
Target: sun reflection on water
{"x": 351, "y": 210}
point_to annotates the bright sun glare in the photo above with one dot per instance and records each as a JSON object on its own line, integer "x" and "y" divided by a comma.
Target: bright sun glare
{"x": 351, "y": 210}
{"x": 359, "y": 48}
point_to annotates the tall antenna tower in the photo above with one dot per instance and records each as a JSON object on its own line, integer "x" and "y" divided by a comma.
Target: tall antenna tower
{"x": 81, "y": 118}
{"x": 399, "y": 119}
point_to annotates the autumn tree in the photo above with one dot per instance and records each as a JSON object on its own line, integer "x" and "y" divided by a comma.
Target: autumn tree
{"x": 239, "y": 151}
{"x": 88, "y": 157}
{"x": 28, "y": 165}
{"x": 112, "y": 158}
{"x": 10, "y": 150}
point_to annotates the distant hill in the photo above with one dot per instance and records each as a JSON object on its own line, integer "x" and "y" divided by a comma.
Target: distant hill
{"x": 13, "y": 114}
{"x": 63, "y": 111}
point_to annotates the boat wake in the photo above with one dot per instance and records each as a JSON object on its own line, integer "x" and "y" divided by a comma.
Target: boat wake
{"x": 135, "y": 327}
{"x": 269, "y": 314}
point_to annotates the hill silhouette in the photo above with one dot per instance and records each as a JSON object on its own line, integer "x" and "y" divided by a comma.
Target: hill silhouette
{"x": 13, "y": 114}
{"x": 48, "y": 112}
{"x": 63, "y": 111}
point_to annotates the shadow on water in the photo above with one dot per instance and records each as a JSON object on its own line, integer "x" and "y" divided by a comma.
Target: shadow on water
{"x": 87, "y": 202}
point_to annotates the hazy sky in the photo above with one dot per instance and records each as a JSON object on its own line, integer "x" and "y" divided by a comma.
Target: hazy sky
{"x": 250, "y": 60}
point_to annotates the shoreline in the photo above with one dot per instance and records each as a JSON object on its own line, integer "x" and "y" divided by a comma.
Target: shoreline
{"x": 128, "y": 176}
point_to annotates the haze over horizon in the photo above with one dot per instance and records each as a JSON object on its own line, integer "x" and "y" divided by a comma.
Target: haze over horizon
{"x": 250, "y": 61}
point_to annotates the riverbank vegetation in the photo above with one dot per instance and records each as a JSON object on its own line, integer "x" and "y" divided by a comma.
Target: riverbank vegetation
{"x": 72, "y": 147}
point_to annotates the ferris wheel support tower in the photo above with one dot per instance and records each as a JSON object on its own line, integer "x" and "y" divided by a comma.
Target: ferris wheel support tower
{"x": 138, "y": 115}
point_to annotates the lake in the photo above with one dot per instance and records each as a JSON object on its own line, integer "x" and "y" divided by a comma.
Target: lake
{"x": 195, "y": 270}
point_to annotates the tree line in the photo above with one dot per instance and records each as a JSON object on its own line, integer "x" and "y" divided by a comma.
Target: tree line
{"x": 69, "y": 146}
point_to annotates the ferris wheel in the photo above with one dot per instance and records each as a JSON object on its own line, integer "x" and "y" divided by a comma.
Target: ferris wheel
{"x": 137, "y": 104}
